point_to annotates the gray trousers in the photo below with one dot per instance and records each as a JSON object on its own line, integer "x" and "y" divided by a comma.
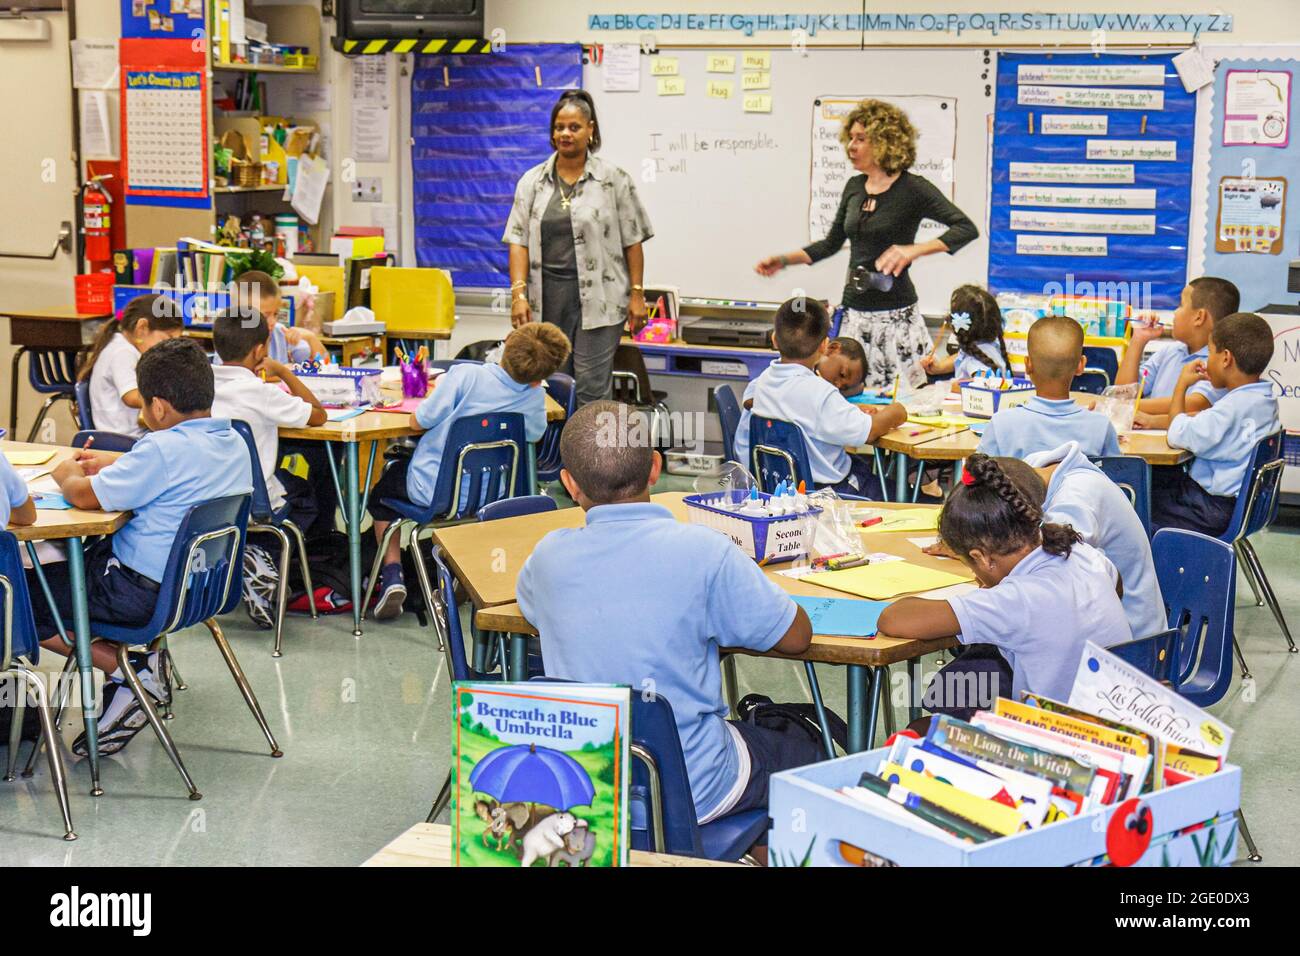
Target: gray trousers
{"x": 592, "y": 361}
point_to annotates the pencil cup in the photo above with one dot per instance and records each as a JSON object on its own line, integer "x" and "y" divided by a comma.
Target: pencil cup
{"x": 415, "y": 379}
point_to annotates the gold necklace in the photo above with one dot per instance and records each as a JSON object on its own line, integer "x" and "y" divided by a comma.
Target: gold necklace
{"x": 565, "y": 198}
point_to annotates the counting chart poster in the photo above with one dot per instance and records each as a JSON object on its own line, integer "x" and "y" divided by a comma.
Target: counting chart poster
{"x": 164, "y": 124}
{"x": 1091, "y": 176}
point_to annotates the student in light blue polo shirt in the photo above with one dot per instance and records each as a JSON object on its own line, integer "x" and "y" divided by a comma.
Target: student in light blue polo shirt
{"x": 187, "y": 458}
{"x": 16, "y": 505}
{"x": 1051, "y": 416}
{"x": 1072, "y": 490}
{"x": 532, "y": 353}
{"x": 1223, "y": 437}
{"x": 790, "y": 390}
{"x": 1043, "y": 593}
{"x": 637, "y": 597}
{"x": 1203, "y": 302}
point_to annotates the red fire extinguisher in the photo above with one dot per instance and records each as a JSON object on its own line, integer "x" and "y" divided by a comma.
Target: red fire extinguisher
{"x": 95, "y": 219}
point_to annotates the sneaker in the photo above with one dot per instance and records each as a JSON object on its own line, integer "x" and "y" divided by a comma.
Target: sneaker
{"x": 120, "y": 717}
{"x": 148, "y": 668}
{"x": 392, "y": 593}
{"x": 261, "y": 581}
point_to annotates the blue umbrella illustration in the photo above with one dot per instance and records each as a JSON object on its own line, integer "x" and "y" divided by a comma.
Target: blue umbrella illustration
{"x": 531, "y": 774}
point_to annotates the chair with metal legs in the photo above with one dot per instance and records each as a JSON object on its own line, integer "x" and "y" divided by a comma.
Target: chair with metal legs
{"x": 201, "y": 582}
{"x": 482, "y": 461}
{"x": 21, "y": 652}
{"x": 263, "y": 518}
{"x": 51, "y": 372}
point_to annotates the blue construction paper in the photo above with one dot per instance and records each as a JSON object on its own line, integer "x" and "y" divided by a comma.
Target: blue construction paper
{"x": 865, "y": 399}
{"x": 843, "y": 617}
{"x": 50, "y": 502}
{"x": 343, "y": 414}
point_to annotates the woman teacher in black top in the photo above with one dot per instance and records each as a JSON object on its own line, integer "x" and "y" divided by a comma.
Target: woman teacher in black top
{"x": 879, "y": 214}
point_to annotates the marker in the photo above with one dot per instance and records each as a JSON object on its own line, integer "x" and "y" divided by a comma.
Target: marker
{"x": 870, "y": 521}
{"x": 845, "y": 565}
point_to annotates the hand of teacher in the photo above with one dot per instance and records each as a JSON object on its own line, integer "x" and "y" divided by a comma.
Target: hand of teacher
{"x": 636, "y": 313}
{"x": 895, "y": 259}
{"x": 520, "y": 313}
{"x": 770, "y": 266}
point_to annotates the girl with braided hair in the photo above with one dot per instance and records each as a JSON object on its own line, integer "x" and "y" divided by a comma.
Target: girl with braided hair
{"x": 976, "y": 320}
{"x": 1043, "y": 593}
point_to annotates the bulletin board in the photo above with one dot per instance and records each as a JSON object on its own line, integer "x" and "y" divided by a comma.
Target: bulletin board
{"x": 1091, "y": 175}
{"x": 164, "y": 105}
{"x": 163, "y": 19}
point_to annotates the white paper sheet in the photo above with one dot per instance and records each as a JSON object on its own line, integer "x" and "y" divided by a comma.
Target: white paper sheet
{"x": 621, "y": 68}
{"x": 94, "y": 64}
{"x": 313, "y": 176}
{"x": 97, "y": 140}
{"x": 370, "y": 133}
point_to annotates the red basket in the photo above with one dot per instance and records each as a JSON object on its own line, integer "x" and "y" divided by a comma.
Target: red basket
{"x": 94, "y": 292}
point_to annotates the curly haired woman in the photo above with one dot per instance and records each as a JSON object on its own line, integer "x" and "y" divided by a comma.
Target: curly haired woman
{"x": 879, "y": 213}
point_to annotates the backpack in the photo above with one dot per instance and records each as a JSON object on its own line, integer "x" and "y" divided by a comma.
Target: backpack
{"x": 759, "y": 710}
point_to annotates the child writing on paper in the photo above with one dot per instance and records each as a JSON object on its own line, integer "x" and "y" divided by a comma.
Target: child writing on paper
{"x": 1042, "y": 594}
{"x": 1223, "y": 437}
{"x": 976, "y": 320}
{"x": 187, "y": 458}
{"x": 1051, "y": 416}
{"x": 16, "y": 505}
{"x": 1203, "y": 302}
{"x": 790, "y": 390}
{"x": 115, "y": 400}
{"x": 660, "y": 630}
{"x": 532, "y": 353}
{"x": 844, "y": 365}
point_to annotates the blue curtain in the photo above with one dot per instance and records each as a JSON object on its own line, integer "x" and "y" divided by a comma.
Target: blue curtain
{"x": 472, "y": 140}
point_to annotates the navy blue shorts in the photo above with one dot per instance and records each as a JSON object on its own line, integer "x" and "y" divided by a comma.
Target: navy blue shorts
{"x": 1178, "y": 501}
{"x": 771, "y": 751}
{"x": 115, "y": 594}
{"x": 861, "y": 480}
{"x": 391, "y": 484}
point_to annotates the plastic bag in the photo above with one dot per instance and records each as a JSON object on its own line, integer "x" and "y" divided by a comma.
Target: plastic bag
{"x": 732, "y": 476}
{"x": 1118, "y": 403}
{"x": 835, "y": 533}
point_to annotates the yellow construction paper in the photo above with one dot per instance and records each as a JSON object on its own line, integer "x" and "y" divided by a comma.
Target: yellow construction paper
{"x": 899, "y": 519}
{"x": 945, "y": 421}
{"x": 758, "y": 103}
{"x": 878, "y": 582}
{"x": 20, "y": 459}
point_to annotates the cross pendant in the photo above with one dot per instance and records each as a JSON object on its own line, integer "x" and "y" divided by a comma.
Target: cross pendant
{"x": 564, "y": 202}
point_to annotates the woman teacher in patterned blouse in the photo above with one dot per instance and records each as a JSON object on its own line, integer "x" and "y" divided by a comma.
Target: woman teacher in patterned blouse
{"x": 879, "y": 213}
{"x": 575, "y": 235}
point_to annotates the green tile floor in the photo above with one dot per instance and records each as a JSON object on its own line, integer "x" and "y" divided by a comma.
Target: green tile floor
{"x": 364, "y": 728}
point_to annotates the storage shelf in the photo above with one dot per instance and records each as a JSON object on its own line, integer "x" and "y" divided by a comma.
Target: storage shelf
{"x": 262, "y": 68}
{"x": 249, "y": 189}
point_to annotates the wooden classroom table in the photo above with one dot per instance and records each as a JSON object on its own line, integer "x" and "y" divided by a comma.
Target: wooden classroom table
{"x": 73, "y": 526}
{"x": 471, "y": 551}
{"x": 429, "y": 844}
{"x": 372, "y": 428}
{"x": 46, "y": 329}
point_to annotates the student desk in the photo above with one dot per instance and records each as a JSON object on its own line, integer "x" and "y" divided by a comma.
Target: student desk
{"x": 429, "y": 844}
{"x": 472, "y": 551}
{"x": 47, "y": 329}
{"x": 350, "y": 346}
{"x": 370, "y": 428}
{"x": 73, "y": 526}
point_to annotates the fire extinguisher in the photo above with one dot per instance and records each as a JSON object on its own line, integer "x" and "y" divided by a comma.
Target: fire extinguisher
{"x": 95, "y": 219}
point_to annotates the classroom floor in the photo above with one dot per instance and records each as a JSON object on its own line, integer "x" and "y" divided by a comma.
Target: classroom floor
{"x": 364, "y": 729}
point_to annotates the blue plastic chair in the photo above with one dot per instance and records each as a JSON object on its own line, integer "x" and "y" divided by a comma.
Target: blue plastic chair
{"x": 200, "y": 583}
{"x": 1256, "y": 510}
{"x": 1198, "y": 580}
{"x": 22, "y": 651}
{"x": 1156, "y": 656}
{"x": 1101, "y": 360}
{"x": 777, "y": 452}
{"x": 51, "y": 372}
{"x": 104, "y": 441}
{"x": 562, "y": 389}
{"x": 1091, "y": 381}
{"x": 85, "y": 419}
{"x": 489, "y": 453}
{"x": 724, "y": 396}
{"x": 514, "y": 507}
{"x": 263, "y": 519}
{"x": 1133, "y": 475}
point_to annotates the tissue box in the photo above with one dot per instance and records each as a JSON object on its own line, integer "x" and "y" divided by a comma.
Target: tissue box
{"x": 811, "y": 821}
{"x": 337, "y": 385}
{"x": 983, "y": 397}
{"x": 353, "y": 328}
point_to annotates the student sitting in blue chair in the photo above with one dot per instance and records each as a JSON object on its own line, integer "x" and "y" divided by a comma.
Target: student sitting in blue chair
{"x": 789, "y": 389}
{"x": 1051, "y": 416}
{"x": 1224, "y": 436}
{"x": 16, "y": 505}
{"x": 532, "y": 353}
{"x": 665, "y": 596}
{"x": 187, "y": 458}
{"x": 844, "y": 365}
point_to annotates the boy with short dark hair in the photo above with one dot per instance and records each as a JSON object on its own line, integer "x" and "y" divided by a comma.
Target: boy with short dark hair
{"x": 790, "y": 390}
{"x": 660, "y": 632}
{"x": 1051, "y": 417}
{"x": 258, "y": 290}
{"x": 187, "y": 458}
{"x": 1223, "y": 437}
{"x": 844, "y": 365}
{"x": 532, "y": 353}
{"x": 1203, "y": 302}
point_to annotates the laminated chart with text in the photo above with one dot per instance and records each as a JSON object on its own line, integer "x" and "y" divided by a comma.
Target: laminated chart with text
{"x": 1091, "y": 176}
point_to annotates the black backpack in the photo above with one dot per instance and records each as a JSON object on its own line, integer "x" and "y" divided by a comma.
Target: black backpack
{"x": 759, "y": 710}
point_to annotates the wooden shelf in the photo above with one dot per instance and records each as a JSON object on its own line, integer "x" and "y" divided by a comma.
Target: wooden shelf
{"x": 225, "y": 190}
{"x": 262, "y": 68}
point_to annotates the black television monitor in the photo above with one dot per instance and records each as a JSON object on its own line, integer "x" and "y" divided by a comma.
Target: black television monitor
{"x": 407, "y": 19}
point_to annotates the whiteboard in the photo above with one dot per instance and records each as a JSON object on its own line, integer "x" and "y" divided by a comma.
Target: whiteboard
{"x": 725, "y": 188}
